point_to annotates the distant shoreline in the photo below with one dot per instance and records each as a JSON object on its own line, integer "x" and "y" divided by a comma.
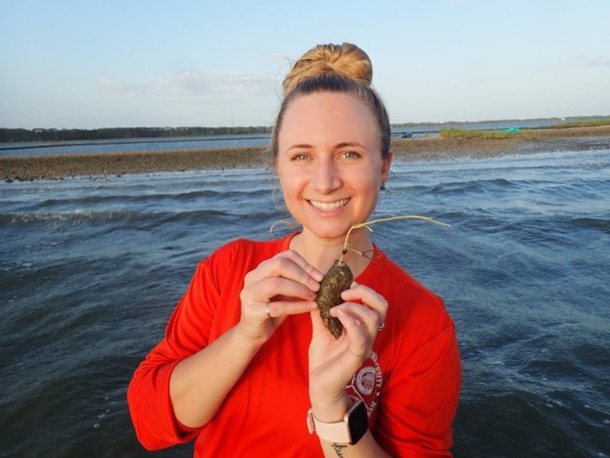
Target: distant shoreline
{"x": 25, "y": 168}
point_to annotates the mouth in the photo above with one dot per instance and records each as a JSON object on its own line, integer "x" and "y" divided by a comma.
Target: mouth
{"x": 329, "y": 206}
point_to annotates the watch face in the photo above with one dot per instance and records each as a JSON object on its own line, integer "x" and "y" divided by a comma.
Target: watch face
{"x": 357, "y": 422}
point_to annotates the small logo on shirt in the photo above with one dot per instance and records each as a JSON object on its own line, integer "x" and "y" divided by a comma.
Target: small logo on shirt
{"x": 366, "y": 383}
{"x": 365, "y": 380}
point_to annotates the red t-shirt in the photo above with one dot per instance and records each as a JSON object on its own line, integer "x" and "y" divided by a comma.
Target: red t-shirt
{"x": 410, "y": 383}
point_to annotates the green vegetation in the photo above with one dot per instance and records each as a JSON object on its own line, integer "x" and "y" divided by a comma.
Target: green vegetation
{"x": 522, "y": 133}
{"x": 589, "y": 123}
{"x": 484, "y": 134}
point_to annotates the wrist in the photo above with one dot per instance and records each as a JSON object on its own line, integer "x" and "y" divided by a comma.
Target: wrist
{"x": 244, "y": 341}
{"x": 349, "y": 430}
{"x": 332, "y": 409}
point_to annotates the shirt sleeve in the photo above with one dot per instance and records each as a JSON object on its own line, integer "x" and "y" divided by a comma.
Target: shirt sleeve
{"x": 187, "y": 332}
{"x": 420, "y": 399}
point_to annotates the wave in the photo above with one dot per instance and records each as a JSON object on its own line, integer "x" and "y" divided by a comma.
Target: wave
{"x": 462, "y": 187}
{"x": 136, "y": 196}
{"x": 596, "y": 224}
{"x": 120, "y": 218}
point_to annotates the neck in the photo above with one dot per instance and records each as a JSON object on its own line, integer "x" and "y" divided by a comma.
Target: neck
{"x": 322, "y": 253}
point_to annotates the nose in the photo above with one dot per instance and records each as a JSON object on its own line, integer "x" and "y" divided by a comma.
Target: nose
{"x": 326, "y": 176}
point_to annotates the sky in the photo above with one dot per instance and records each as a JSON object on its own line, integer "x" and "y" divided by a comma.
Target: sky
{"x": 129, "y": 63}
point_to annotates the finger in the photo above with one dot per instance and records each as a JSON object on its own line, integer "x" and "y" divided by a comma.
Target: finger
{"x": 305, "y": 265}
{"x": 285, "y": 308}
{"x": 289, "y": 265}
{"x": 368, "y": 297}
{"x": 360, "y": 314}
{"x": 316, "y": 322}
{"x": 269, "y": 288}
{"x": 318, "y": 327}
{"x": 359, "y": 337}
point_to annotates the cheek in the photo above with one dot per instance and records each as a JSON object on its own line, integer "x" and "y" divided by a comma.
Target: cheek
{"x": 289, "y": 186}
{"x": 367, "y": 185}
{"x": 366, "y": 180}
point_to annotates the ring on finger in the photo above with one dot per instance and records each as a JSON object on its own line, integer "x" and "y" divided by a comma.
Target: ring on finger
{"x": 267, "y": 310}
{"x": 380, "y": 326}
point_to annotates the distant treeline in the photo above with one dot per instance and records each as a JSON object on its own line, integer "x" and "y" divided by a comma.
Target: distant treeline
{"x": 559, "y": 121}
{"x": 116, "y": 133}
{"x": 113, "y": 133}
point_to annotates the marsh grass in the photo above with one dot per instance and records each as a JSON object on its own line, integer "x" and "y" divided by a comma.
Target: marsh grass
{"x": 472, "y": 133}
{"x": 493, "y": 134}
{"x": 589, "y": 123}
{"x": 525, "y": 134}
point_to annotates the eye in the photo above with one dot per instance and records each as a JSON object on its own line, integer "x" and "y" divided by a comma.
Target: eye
{"x": 351, "y": 155}
{"x": 300, "y": 157}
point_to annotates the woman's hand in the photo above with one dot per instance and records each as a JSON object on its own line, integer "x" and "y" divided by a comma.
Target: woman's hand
{"x": 283, "y": 285}
{"x": 333, "y": 362}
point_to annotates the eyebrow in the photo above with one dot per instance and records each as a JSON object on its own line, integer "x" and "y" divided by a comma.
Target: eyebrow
{"x": 299, "y": 146}
{"x": 344, "y": 144}
{"x": 339, "y": 145}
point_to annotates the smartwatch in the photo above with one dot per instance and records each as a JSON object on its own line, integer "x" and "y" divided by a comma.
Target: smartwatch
{"x": 347, "y": 431}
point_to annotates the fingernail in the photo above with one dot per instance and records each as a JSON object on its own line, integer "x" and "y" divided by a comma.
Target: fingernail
{"x": 339, "y": 311}
{"x": 318, "y": 276}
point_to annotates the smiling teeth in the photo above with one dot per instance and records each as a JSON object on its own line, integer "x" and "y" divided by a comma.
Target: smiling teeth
{"x": 328, "y": 207}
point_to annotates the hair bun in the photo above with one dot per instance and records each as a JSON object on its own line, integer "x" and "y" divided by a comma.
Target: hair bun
{"x": 345, "y": 59}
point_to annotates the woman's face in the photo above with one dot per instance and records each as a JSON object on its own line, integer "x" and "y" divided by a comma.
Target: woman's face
{"x": 329, "y": 162}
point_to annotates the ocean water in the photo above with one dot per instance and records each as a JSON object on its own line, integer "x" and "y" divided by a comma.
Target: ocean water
{"x": 131, "y": 145}
{"x": 90, "y": 270}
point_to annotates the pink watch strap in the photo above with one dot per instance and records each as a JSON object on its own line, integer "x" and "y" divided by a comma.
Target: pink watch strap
{"x": 331, "y": 432}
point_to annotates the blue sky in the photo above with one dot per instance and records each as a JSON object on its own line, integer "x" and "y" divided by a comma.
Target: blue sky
{"x": 93, "y": 63}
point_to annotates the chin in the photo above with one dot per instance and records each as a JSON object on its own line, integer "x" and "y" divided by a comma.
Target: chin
{"x": 329, "y": 233}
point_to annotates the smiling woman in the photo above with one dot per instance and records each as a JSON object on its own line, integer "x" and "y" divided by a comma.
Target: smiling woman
{"x": 247, "y": 365}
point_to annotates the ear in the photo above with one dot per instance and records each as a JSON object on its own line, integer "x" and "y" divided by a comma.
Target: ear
{"x": 385, "y": 167}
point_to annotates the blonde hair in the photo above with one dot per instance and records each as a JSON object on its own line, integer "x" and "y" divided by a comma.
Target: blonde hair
{"x": 346, "y": 59}
{"x": 335, "y": 68}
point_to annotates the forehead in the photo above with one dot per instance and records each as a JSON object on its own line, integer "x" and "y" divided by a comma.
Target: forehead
{"x": 330, "y": 115}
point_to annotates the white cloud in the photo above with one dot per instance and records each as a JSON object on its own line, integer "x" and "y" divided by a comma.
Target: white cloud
{"x": 130, "y": 90}
{"x": 215, "y": 84}
{"x": 197, "y": 87}
{"x": 591, "y": 61}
